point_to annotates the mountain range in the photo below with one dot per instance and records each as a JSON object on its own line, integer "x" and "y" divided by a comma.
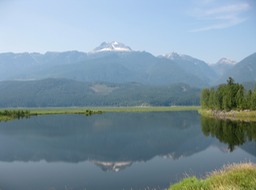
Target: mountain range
{"x": 118, "y": 63}
{"x": 115, "y": 64}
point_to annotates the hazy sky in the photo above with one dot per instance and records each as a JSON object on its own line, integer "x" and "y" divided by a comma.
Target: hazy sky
{"x": 205, "y": 29}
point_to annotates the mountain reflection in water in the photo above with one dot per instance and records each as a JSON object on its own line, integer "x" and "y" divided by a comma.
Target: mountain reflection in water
{"x": 114, "y": 141}
{"x": 112, "y": 166}
{"x": 117, "y": 150}
{"x": 107, "y": 138}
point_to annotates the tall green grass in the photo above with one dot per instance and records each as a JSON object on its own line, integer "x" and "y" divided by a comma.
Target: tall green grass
{"x": 231, "y": 177}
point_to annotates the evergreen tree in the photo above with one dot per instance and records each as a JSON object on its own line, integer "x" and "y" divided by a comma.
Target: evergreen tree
{"x": 204, "y": 99}
{"x": 248, "y": 100}
{"x": 253, "y": 100}
{"x": 212, "y": 99}
{"x": 230, "y": 81}
{"x": 219, "y": 97}
{"x": 240, "y": 97}
{"x": 228, "y": 97}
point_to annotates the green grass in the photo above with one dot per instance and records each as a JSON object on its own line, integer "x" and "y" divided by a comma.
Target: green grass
{"x": 147, "y": 108}
{"x": 51, "y": 111}
{"x": 81, "y": 110}
{"x": 245, "y": 115}
{"x": 96, "y": 110}
{"x": 232, "y": 177}
{"x": 13, "y": 114}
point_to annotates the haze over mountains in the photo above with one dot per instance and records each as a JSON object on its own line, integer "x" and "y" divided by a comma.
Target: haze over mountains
{"x": 222, "y": 66}
{"x": 116, "y": 63}
{"x": 243, "y": 71}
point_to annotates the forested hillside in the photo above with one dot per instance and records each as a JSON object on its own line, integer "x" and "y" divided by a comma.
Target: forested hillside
{"x": 65, "y": 92}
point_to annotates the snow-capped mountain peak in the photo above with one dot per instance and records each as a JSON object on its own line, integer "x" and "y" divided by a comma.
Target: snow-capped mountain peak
{"x": 226, "y": 61}
{"x": 112, "y": 46}
{"x": 172, "y": 55}
{"x": 175, "y": 56}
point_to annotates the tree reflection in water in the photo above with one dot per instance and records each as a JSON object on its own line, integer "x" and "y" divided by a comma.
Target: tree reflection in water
{"x": 233, "y": 133}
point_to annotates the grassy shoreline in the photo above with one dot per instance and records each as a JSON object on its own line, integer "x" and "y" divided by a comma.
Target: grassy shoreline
{"x": 245, "y": 115}
{"x": 78, "y": 110}
{"x": 10, "y": 114}
{"x": 232, "y": 115}
{"x": 148, "y": 108}
{"x": 93, "y": 110}
{"x": 232, "y": 177}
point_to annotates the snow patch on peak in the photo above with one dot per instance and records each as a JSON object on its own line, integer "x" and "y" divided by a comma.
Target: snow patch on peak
{"x": 172, "y": 55}
{"x": 176, "y": 56}
{"x": 112, "y": 46}
{"x": 226, "y": 61}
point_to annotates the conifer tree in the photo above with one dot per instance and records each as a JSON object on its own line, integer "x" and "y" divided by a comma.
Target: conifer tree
{"x": 228, "y": 97}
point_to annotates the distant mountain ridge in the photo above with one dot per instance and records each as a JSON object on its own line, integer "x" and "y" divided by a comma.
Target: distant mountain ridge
{"x": 243, "y": 71}
{"x": 223, "y": 65}
{"x": 116, "y": 62}
{"x": 225, "y": 60}
{"x": 192, "y": 65}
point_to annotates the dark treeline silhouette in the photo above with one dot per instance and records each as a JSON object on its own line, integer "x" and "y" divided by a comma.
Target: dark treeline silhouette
{"x": 233, "y": 133}
{"x": 230, "y": 96}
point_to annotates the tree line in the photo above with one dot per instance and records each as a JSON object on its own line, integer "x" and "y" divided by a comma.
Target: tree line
{"x": 230, "y": 96}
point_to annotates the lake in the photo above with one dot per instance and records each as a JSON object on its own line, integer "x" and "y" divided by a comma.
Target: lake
{"x": 118, "y": 151}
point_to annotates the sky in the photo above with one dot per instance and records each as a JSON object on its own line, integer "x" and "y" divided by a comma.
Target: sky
{"x": 205, "y": 29}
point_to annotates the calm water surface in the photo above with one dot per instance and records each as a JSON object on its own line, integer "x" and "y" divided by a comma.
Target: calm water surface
{"x": 116, "y": 151}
